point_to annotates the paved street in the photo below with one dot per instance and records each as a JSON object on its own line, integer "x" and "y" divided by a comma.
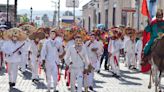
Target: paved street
{"x": 131, "y": 81}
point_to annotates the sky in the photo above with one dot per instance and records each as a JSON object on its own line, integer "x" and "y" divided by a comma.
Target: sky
{"x": 42, "y": 4}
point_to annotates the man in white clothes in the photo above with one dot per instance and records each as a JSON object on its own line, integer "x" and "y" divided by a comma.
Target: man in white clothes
{"x": 114, "y": 51}
{"x": 25, "y": 54}
{"x": 12, "y": 48}
{"x": 78, "y": 63}
{"x": 93, "y": 53}
{"x": 34, "y": 56}
{"x": 138, "y": 51}
{"x": 130, "y": 52}
{"x": 50, "y": 56}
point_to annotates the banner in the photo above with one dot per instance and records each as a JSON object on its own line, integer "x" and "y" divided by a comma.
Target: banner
{"x": 70, "y": 3}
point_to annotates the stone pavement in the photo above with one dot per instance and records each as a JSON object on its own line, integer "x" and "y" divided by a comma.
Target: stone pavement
{"x": 131, "y": 81}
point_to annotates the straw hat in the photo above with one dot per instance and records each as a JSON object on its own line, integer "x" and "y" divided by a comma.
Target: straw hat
{"x": 21, "y": 35}
{"x": 29, "y": 29}
{"x": 39, "y": 35}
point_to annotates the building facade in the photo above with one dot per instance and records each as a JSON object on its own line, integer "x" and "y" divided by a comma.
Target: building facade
{"x": 115, "y": 13}
{"x": 3, "y": 14}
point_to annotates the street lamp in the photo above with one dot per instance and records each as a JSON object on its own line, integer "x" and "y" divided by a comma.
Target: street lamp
{"x": 7, "y": 11}
{"x": 31, "y": 13}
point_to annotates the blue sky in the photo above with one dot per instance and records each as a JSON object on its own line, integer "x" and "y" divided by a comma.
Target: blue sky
{"x": 42, "y": 4}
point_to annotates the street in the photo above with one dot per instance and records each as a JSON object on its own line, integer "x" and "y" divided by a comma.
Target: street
{"x": 130, "y": 81}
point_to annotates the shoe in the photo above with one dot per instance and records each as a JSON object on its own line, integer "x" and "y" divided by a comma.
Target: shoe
{"x": 67, "y": 84}
{"x": 98, "y": 71}
{"x": 91, "y": 88}
{"x": 56, "y": 91}
{"x": 13, "y": 84}
{"x": 10, "y": 85}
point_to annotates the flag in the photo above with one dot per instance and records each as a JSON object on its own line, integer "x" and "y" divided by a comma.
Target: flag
{"x": 145, "y": 10}
{"x": 152, "y": 5}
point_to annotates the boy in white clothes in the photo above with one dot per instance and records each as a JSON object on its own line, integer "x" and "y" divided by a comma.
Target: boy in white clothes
{"x": 130, "y": 52}
{"x": 114, "y": 48}
{"x": 34, "y": 57}
{"x": 50, "y": 56}
{"x": 12, "y": 48}
{"x": 78, "y": 63}
{"x": 138, "y": 51}
{"x": 93, "y": 53}
{"x": 25, "y": 54}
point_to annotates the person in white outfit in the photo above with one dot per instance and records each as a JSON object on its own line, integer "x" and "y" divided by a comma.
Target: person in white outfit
{"x": 50, "y": 56}
{"x": 130, "y": 52}
{"x": 34, "y": 57}
{"x": 12, "y": 48}
{"x": 93, "y": 53}
{"x": 114, "y": 48}
{"x": 138, "y": 51}
{"x": 78, "y": 63}
{"x": 25, "y": 54}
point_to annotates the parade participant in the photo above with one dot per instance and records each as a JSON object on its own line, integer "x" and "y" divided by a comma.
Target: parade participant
{"x": 100, "y": 51}
{"x": 78, "y": 63}
{"x": 130, "y": 52}
{"x": 2, "y": 29}
{"x": 92, "y": 48}
{"x": 155, "y": 27}
{"x": 105, "y": 51}
{"x": 114, "y": 51}
{"x": 50, "y": 57}
{"x": 126, "y": 38}
{"x": 70, "y": 42}
{"x": 12, "y": 49}
{"x": 138, "y": 49}
{"x": 34, "y": 55}
{"x": 29, "y": 29}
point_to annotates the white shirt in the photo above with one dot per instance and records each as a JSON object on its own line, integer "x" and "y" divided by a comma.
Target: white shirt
{"x": 114, "y": 46}
{"x": 34, "y": 51}
{"x": 50, "y": 52}
{"x": 126, "y": 38}
{"x": 138, "y": 47}
{"x": 78, "y": 61}
{"x": 130, "y": 47}
{"x": 93, "y": 55}
{"x": 9, "y": 47}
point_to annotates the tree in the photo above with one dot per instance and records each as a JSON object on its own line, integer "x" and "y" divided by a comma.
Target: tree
{"x": 45, "y": 19}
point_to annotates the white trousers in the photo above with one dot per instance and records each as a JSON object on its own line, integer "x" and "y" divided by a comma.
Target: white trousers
{"x": 23, "y": 63}
{"x": 35, "y": 66}
{"x": 131, "y": 59}
{"x": 76, "y": 75}
{"x": 91, "y": 78}
{"x": 51, "y": 72}
{"x": 13, "y": 71}
{"x": 114, "y": 65}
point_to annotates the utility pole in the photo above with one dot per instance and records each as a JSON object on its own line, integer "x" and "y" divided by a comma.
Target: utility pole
{"x": 74, "y": 10}
{"x": 15, "y": 14}
{"x": 59, "y": 13}
{"x": 7, "y": 11}
{"x": 55, "y": 14}
{"x": 138, "y": 17}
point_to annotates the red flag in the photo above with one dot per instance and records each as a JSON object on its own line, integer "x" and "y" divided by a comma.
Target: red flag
{"x": 146, "y": 38}
{"x": 145, "y": 10}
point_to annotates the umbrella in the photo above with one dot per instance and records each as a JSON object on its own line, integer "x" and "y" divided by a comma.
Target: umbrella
{"x": 100, "y": 26}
